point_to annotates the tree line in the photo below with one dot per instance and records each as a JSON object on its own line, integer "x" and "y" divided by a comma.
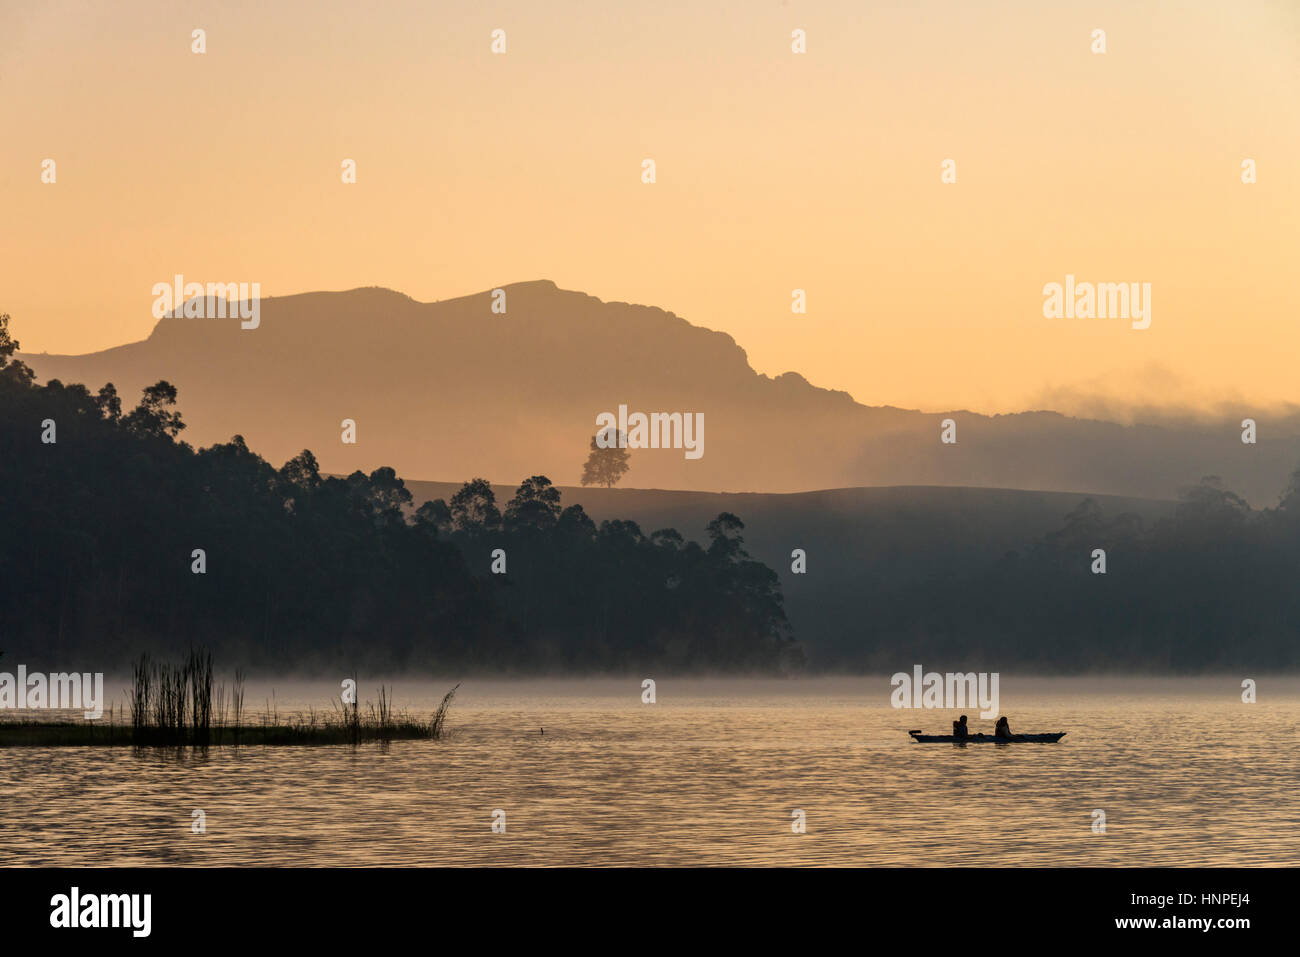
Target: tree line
{"x": 117, "y": 537}
{"x": 1214, "y": 585}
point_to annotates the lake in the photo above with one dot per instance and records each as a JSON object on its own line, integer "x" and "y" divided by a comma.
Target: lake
{"x": 1184, "y": 771}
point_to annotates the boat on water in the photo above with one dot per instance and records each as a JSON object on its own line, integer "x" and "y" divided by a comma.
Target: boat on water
{"x": 1051, "y": 738}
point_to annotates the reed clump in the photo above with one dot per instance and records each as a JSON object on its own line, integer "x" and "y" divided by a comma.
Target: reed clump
{"x": 180, "y": 705}
{"x": 172, "y": 704}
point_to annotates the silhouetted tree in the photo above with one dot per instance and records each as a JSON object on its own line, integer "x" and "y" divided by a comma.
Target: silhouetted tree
{"x": 605, "y": 466}
{"x": 536, "y": 504}
{"x": 474, "y": 507}
{"x": 388, "y": 496}
{"x": 110, "y": 405}
{"x": 434, "y": 516}
{"x": 1288, "y": 504}
{"x": 154, "y": 417}
{"x": 301, "y": 472}
{"x": 1084, "y": 527}
{"x": 11, "y": 369}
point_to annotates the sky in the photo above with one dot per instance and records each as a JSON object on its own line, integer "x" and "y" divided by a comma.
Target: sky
{"x": 775, "y": 171}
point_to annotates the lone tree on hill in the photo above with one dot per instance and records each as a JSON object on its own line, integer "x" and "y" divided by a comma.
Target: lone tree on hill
{"x": 605, "y": 466}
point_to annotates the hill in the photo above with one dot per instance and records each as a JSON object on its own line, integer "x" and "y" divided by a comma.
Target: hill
{"x": 450, "y": 389}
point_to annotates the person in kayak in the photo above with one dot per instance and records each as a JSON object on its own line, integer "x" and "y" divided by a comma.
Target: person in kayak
{"x": 1002, "y": 729}
{"x": 959, "y": 728}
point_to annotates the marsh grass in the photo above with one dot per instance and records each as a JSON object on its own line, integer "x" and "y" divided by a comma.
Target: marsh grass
{"x": 177, "y": 705}
{"x": 440, "y": 716}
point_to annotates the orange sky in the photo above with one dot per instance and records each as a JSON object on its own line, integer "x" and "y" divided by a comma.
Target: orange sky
{"x": 775, "y": 171}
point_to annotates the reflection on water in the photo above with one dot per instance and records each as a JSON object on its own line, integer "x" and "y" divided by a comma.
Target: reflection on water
{"x": 1186, "y": 774}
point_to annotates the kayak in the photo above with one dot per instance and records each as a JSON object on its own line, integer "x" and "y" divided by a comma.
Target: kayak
{"x": 988, "y": 738}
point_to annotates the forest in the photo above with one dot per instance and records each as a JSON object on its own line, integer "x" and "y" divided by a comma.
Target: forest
{"x": 1214, "y": 585}
{"x": 118, "y": 538}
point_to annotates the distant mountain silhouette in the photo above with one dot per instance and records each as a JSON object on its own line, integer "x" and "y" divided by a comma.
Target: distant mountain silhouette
{"x": 448, "y": 390}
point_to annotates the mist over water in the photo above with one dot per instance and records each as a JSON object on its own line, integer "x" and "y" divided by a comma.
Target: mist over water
{"x": 1185, "y": 772}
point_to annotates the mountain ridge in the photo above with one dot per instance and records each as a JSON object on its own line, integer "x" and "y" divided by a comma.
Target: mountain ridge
{"x": 448, "y": 389}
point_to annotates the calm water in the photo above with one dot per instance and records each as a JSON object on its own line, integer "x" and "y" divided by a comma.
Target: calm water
{"x": 1185, "y": 772}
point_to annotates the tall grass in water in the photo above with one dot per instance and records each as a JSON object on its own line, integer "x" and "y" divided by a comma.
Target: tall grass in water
{"x": 440, "y": 716}
{"x": 354, "y": 716}
{"x": 237, "y": 702}
{"x": 174, "y": 705}
{"x": 199, "y": 674}
{"x": 141, "y": 690}
{"x": 383, "y": 716}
